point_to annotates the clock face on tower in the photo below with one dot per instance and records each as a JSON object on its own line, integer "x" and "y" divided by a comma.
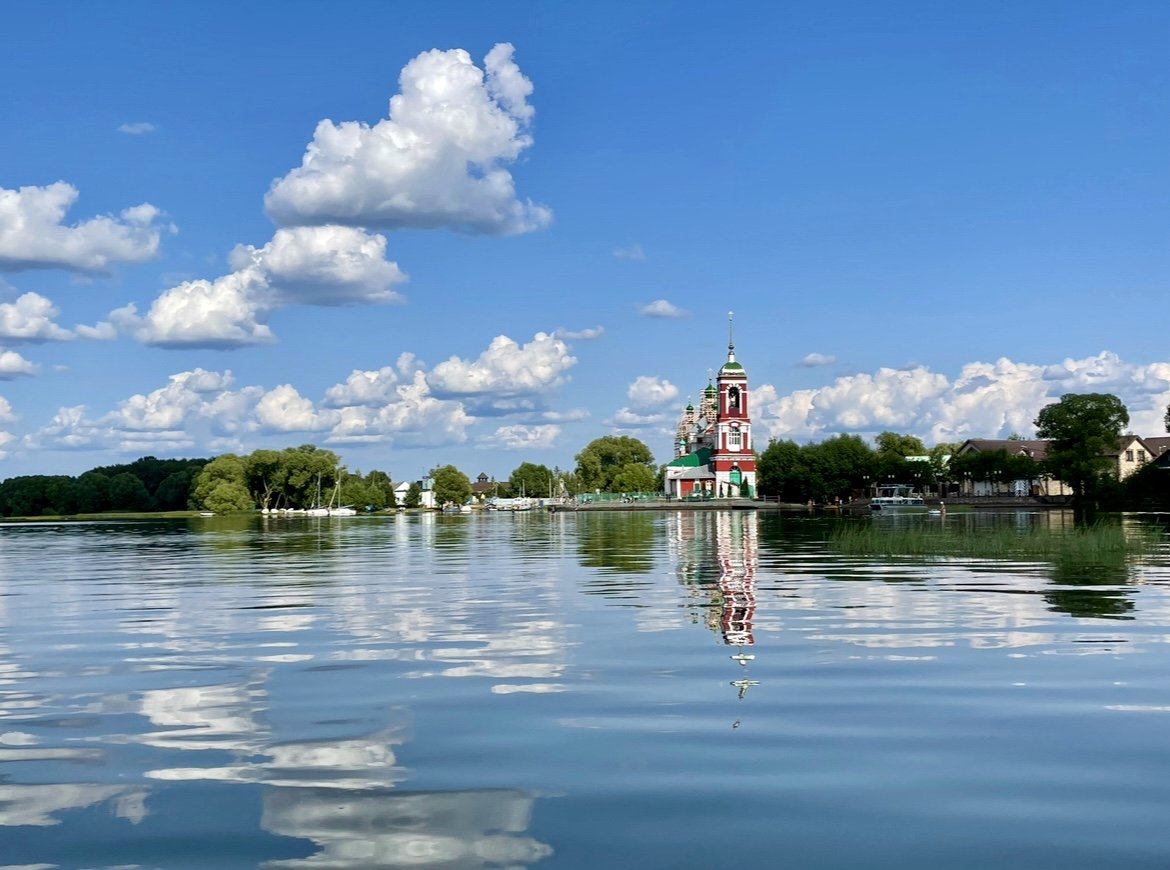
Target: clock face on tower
{"x": 735, "y": 424}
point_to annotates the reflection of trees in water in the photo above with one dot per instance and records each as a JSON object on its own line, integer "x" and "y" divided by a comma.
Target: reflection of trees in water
{"x": 1097, "y": 589}
{"x": 451, "y": 532}
{"x": 1093, "y": 586}
{"x": 382, "y": 829}
{"x": 617, "y": 541}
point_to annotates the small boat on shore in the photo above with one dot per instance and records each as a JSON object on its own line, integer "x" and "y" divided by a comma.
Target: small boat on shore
{"x": 897, "y": 497}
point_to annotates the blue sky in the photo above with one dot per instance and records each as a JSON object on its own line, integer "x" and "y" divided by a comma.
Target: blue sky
{"x": 218, "y": 231}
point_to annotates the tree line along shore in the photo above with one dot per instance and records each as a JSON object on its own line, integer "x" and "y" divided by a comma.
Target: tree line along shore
{"x": 1080, "y": 427}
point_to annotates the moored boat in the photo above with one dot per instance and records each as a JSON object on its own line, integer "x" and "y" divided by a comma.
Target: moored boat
{"x": 897, "y": 497}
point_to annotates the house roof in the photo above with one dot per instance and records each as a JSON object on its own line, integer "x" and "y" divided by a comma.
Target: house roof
{"x": 1126, "y": 442}
{"x": 1159, "y": 445}
{"x": 1035, "y": 449}
{"x": 702, "y": 473}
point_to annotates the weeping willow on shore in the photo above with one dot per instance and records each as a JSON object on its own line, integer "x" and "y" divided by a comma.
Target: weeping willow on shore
{"x": 1097, "y": 543}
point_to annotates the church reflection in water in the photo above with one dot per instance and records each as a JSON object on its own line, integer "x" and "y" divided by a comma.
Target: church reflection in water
{"x": 716, "y": 553}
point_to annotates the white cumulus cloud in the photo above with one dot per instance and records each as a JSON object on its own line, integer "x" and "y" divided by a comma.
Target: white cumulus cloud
{"x": 985, "y": 400}
{"x": 328, "y": 265}
{"x": 6, "y": 416}
{"x": 168, "y": 406}
{"x": 507, "y": 376}
{"x": 521, "y": 437}
{"x": 283, "y": 409}
{"x": 224, "y": 313}
{"x": 437, "y": 160}
{"x": 813, "y": 360}
{"x": 650, "y": 392}
{"x": 662, "y": 308}
{"x": 624, "y": 418}
{"x": 31, "y": 319}
{"x": 413, "y": 418}
{"x": 372, "y": 388}
{"x": 588, "y": 334}
{"x": 33, "y": 235}
{"x": 13, "y": 365}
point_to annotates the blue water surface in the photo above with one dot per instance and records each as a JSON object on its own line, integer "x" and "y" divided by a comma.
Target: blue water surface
{"x": 659, "y": 689}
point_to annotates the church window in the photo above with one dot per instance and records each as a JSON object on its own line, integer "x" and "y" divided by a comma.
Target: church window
{"x": 733, "y": 399}
{"x": 734, "y": 439}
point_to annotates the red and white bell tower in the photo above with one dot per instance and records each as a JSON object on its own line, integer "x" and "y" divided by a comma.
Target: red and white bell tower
{"x": 732, "y": 458}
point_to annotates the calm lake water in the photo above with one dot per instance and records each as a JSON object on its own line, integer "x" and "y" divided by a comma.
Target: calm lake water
{"x": 547, "y": 691}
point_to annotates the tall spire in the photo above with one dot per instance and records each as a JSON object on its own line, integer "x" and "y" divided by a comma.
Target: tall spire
{"x": 730, "y": 336}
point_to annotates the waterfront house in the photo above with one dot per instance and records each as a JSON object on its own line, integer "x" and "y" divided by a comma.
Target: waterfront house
{"x": 1131, "y": 454}
{"x": 1044, "y": 486}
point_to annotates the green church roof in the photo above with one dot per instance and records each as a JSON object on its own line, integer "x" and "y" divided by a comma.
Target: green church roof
{"x": 700, "y": 457}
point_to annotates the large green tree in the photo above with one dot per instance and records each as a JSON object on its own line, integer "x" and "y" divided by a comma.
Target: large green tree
{"x": 608, "y": 462}
{"x": 1082, "y": 428}
{"x": 839, "y": 467}
{"x": 451, "y": 485}
{"x": 380, "y": 490}
{"x": 892, "y": 444}
{"x": 535, "y": 481}
{"x": 780, "y": 472}
{"x": 221, "y": 486}
{"x": 306, "y": 471}
{"x": 413, "y": 497}
{"x": 266, "y": 476}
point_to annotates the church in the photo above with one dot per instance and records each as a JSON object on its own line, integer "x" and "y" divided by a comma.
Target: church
{"x": 713, "y": 447}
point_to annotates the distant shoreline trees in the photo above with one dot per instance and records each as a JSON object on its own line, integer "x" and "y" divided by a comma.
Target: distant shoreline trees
{"x": 1080, "y": 428}
{"x": 147, "y": 484}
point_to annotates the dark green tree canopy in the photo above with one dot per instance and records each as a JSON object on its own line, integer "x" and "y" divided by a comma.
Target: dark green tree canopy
{"x": 841, "y": 467}
{"x": 1083, "y": 429}
{"x": 220, "y": 486}
{"x": 451, "y": 485}
{"x": 535, "y": 481}
{"x": 602, "y": 460}
{"x": 147, "y": 484}
{"x": 890, "y": 444}
{"x": 413, "y": 497}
